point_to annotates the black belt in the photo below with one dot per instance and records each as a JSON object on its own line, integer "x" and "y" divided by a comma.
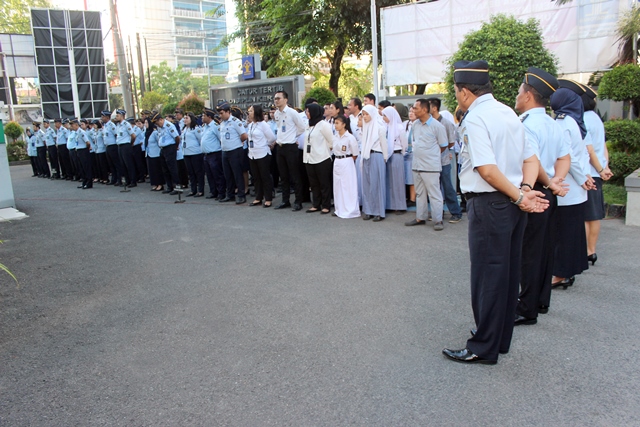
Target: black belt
{"x": 469, "y": 196}
{"x": 213, "y": 152}
{"x": 374, "y": 151}
{"x": 344, "y": 157}
{"x": 397, "y": 151}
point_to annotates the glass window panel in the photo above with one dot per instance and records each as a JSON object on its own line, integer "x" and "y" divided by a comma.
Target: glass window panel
{"x": 100, "y": 106}
{"x": 51, "y": 110}
{"x": 82, "y": 74}
{"x": 42, "y": 37}
{"x": 84, "y": 92}
{"x": 59, "y": 38}
{"x": 86, "y": 110}
{"x": 80, "y": 56}
{"x": 99, "y": 91}
{"x": 25, "y": 67}
{"x": 62, "y": 56}
{"x": 76, "y": 18}
{"x": 64, "y": 93}
{"x": 94, "y": 38}
{"x": 22, "y": 44}
{"x": 49, "y": 93}
{"x": 96, "y": 57}
{"x": 39, "y": 18}
{"x": 44, "y": 55}
{"x": 47, "y": 75}
{"x": 98, "y": 74}
{"x": 57, "y": 19}
{"x": 64, "y": 75}
{"x": 66, "y": 109}
{"x": 79, "y": 39}
{"x": 92, "y": 20}
{"x": 7, "y": 46}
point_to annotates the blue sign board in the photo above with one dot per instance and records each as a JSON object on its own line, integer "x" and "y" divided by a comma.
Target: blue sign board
{"x": 248, "y": 67}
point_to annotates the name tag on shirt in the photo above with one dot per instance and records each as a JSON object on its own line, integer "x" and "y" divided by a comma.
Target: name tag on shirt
{"x": 284, "y": 128}
{"x": 227, "y": 135}
{"x": 250, "y": 144}
{"x": 344, "y": 148}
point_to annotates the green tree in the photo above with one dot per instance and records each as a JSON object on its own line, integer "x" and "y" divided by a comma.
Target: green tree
{"x": 322, "y": 94}
{"x": 289, "y": 34}
{"x": 510, "y": 47}
{"x": 15, "y": 16}
{"x": 152, "y": 100}
{"x": 353, "y": 82}
{"x": 178, "y": 83}
{"x": 13, "y": 130}
{"x": 622, "y": 83}
{"x": 192, "y": 104}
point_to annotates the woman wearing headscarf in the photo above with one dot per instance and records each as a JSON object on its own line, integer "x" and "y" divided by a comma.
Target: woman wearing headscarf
{"x": 154, "y": 164}
{"x": 571, "y": 245}
{"x": 374, "y": 157}
{"x": 318, "y": 141}
{"x": 101, "y": 153}
{"x": 345, "y": 181}
{"x": 193, "y": 154}
{"x": 397, "y": 146}
{"x": 261, "y": 140}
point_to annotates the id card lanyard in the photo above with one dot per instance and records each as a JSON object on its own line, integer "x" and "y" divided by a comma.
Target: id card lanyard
{"x": 309, "y": 140}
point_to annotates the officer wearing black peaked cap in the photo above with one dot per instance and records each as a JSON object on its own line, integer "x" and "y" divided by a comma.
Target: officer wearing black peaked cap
{"x": 495, "y": 161}
{"x": 551, "y": 146}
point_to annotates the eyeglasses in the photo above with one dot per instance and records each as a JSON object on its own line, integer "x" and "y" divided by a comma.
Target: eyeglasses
{"x": 275, "y": 98}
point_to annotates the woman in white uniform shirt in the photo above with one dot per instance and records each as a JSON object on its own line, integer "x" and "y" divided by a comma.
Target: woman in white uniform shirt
{"x": 318, "y": 140}
{"x": 396, "y": 197}
{"x": 345, "y": 179}
{"x": 261, "y": 141}
{"x": 374, "y": 157}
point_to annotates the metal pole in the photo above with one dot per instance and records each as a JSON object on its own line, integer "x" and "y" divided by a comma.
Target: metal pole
{"x": 140, "y": 67}
{"x": 5, "y": 77}
{"x": 374, "y": 48}
{"x": 146, "y": 52}
{"x": 133, "y": 75}
{"x": 121, "y": 58}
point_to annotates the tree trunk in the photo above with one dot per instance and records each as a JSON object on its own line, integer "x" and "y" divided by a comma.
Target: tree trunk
{"x": 335, "y": 71}
{"x": 420, "y": 89}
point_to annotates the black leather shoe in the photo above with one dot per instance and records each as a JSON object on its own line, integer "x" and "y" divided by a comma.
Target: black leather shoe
{"x": 283, "y": 205}
{"x": 86, "y": 187}
{"x": 565, "y": 283}
{"x": 132, "y": 185}
{"x": 543, "y": 309}
{"x": 174, "y": 192}
{"x": 414, "y": 222}
{"x": 473, "y": 332}
{"x": 521, "y": 320}
{"x": 593, "y": 258}
{"x": 466, "y": 356}
{"x": 80, "y": 186}
{"x": 210, "y": 196}
{"x": 377, "y": 218}
{"x": 167, "y": 191}
{"x": 241, "y": 200}
{"x": 225, "y": 200}
{"x": 297, "y": 207}
{"x": 367, "y": 217}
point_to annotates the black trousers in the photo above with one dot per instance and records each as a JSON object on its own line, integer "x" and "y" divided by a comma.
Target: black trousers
{"x": 169, "y": 165}
{"x": 115, "y": 167}
{"x": 34, "y": 164}
{"x": 141, "y": 164}
{"x": 42, "y": 161}
{"x": 183, "y": 174}
{"x": 232, "y": 166}
{"x": 102, "y": 173}
{"x": 496, "y": 229}
{"x": 262, "y": 181}
{"x": 537, "y": 257}
{"x": 320, "y": 179}
{"x": 304, "y": 177}
{"x": 275, "y": 173}
{"x": 215, "y": 174}
{"x": 125, "y": 152}
{"x": 77, "y": 168}
{"x": 289, "y": 167}
{"x": 65, "y": 161}
{"x": 53, "y": 160}
{"x": 195, "y": 168}
{"x": 155, "y": 171}
{"x": 84, "y": 158}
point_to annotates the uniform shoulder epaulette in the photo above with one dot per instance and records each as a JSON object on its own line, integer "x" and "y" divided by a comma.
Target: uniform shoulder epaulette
{"x": 561, "y": 116}
{"x": 523, "y": 117}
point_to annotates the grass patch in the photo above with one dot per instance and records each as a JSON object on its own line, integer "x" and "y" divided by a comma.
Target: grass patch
{"x": 614, "y": 194}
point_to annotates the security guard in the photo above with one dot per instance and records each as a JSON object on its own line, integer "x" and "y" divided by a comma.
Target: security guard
{"x": 495, "y": 161}
{"x": 113, "y": 159}
{"x": 62, "y": 133}
{"x": 50, "y": 142}
{"x": 71, "y": 147}
{"x": 212, "y": 148}
{"x": 168, "y": 141}
{"x": 32, "y": 152}
{"x": 83, "y": 147}
{"x": 138, "y": 148}
{"x": 179, "y": 114}
{"x": 125, "y": 137}
{"x": 42, "y": 151}
{"x": 550, "y": 145}
{"x": 232, "y": 136}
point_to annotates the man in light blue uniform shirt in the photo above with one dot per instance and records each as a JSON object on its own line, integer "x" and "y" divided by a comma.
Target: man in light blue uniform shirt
{"x": 550, "y": 145}
{"x": 125, "y": 139}
{"x": 64, "y": 161}
{"x": 83, "y": 148}
{"x": 50, "y": 142}
{"x": 138, "y": 149}
{"x": 168, "y": 140}
{"x": 42, "y": 151}
{"x": 113, "y": 159}
{"x": 212, "y": 149}
{"x": 232, "y": 137}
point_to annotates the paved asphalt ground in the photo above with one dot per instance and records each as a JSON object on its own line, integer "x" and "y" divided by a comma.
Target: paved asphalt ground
{"x": 134, "y": 311}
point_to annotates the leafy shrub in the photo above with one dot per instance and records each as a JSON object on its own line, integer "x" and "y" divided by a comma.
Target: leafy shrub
{"x": 622, "y": 164}
{"x": 169, "y": 108}
{"x": 622, "y": 83}
{"x": 322, "y": 94}
{"x": 623, "y": 135}
{"x": 152, "y": 100}
{"x": 17, "y": 151}
{"x": 191, "y": 103}
{"x": 13, "y": 130}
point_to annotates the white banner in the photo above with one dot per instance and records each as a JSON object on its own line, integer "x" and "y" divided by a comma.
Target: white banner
{"x": 417, "y": 38}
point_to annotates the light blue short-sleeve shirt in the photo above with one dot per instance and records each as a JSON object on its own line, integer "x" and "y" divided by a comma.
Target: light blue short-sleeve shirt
{"x": 545, "y": 137}
{"x": 230, "y": 131}
{"x": 167, "y": 134}
{"x": 210, "y": 138}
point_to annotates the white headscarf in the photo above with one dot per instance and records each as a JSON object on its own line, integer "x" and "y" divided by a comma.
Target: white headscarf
{"x": 370, "y": 131}
{"x": 394, "y": 128}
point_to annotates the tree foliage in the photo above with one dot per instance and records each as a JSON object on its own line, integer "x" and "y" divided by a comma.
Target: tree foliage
{"x": 622, "y": 83}
{"x": 510, "y": 47}
{"x": 192, "y": 104}
{"x": 623, "y": 136}
{"x": 13, "y": 130}
{"x": 290, "y": 34}
{"x": 353, "y": 81}
{"x": 322, "y": 94}
{"x": 15, "y": 17}
{"x": 152, "y": 101}
{"x": 178, "y": 83}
